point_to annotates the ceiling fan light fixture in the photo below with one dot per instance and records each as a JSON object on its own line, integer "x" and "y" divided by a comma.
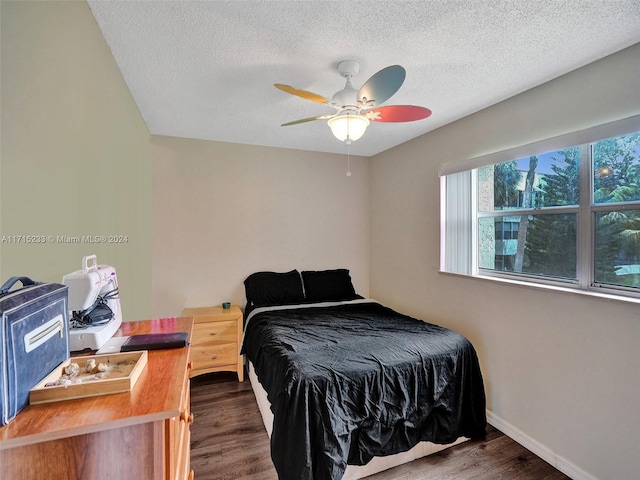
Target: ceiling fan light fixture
{"x": 355, "y": 109}
{"x": 348, "y": 127}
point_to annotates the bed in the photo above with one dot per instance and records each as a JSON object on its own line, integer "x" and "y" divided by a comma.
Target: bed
{"x": 344, "y": 381}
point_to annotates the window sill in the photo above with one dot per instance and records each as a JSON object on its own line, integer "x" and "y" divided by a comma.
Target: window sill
{"x": 552, "y": 288}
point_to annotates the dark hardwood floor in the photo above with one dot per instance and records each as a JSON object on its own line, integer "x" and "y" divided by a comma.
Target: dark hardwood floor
{"x": 229, "y": 442}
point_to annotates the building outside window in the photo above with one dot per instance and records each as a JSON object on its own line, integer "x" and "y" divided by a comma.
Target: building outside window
{"x": 570, "y": 216}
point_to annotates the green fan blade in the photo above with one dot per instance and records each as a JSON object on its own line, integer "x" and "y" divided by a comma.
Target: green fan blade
{"x": 310, "y": 119}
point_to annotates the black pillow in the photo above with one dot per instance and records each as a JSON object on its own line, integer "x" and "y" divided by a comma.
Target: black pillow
{"x": 272, "y": 288}
{"x": 328, "y": 285}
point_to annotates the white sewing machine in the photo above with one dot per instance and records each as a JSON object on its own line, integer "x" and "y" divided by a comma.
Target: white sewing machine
{"x": 94, "y": 304}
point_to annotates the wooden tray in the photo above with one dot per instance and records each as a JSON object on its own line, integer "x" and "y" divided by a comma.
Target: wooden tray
{"x": 123, "y": 370}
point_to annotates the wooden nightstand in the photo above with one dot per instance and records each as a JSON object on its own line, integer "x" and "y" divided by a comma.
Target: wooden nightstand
{"x": 216, "y": 340}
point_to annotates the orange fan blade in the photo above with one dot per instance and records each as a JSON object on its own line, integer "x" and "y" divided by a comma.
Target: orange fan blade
{"x": 314, "y": 97}
{"x": 397, "y": 113}
{"x": 309, "y": 119}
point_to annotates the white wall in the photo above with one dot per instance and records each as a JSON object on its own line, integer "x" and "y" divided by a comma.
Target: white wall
{"x": 222, "y": 211}
{"x": 562, "y": 369}
{"x": 75, "y": 156}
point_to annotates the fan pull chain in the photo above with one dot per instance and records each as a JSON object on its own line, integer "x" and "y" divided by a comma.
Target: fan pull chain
{"x": 348, "y": 160}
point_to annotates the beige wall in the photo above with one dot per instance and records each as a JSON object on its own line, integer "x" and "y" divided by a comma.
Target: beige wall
{"x": 561, "y": 369}
{"x": 222, "y": 211}
{"x": 75, "y": 156}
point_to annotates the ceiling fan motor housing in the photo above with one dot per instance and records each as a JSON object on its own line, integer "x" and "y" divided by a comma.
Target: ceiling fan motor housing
{"x": 348, "y": 96}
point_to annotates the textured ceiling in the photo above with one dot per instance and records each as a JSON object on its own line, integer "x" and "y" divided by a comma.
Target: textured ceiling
{"x": 206, "y": 69}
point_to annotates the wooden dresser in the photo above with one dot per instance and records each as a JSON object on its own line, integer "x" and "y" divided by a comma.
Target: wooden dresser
{"x": 143, "y": 434}
{"x": 216, "y": 341}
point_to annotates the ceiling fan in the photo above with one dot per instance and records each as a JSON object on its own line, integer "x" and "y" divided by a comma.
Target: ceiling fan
{"x": 355, "y": 109}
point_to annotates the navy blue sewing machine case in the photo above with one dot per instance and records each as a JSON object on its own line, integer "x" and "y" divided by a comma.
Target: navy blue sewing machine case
{"x": 34, "y": 339}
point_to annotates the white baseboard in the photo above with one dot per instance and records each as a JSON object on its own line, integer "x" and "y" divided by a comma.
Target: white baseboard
{"x": 548, "y": 455}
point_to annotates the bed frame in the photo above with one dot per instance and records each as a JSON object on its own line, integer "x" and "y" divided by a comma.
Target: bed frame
{"x": 353, "y": 472}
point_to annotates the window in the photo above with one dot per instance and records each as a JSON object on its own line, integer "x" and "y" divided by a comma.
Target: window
{"x": 567, "y": 216}
{"x": 616, "y": 207}
{"x": 538, "y": 236}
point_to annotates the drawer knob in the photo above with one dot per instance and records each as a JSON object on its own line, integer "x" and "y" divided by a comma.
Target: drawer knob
{"x": 213, "y": 357}
{"x": 192, "y": 475}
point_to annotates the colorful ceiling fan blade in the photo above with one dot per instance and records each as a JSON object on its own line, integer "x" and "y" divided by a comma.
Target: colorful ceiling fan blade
{"x": 310, "y": 119}
{"x": 381, "y": 86}
{"x": 397, "y": 113}
{"x": 314, "y": 97}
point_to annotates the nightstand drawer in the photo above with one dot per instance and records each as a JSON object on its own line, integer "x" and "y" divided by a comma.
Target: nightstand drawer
{"x": 214, "y": 332}
{"x": 214, "y": 355}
